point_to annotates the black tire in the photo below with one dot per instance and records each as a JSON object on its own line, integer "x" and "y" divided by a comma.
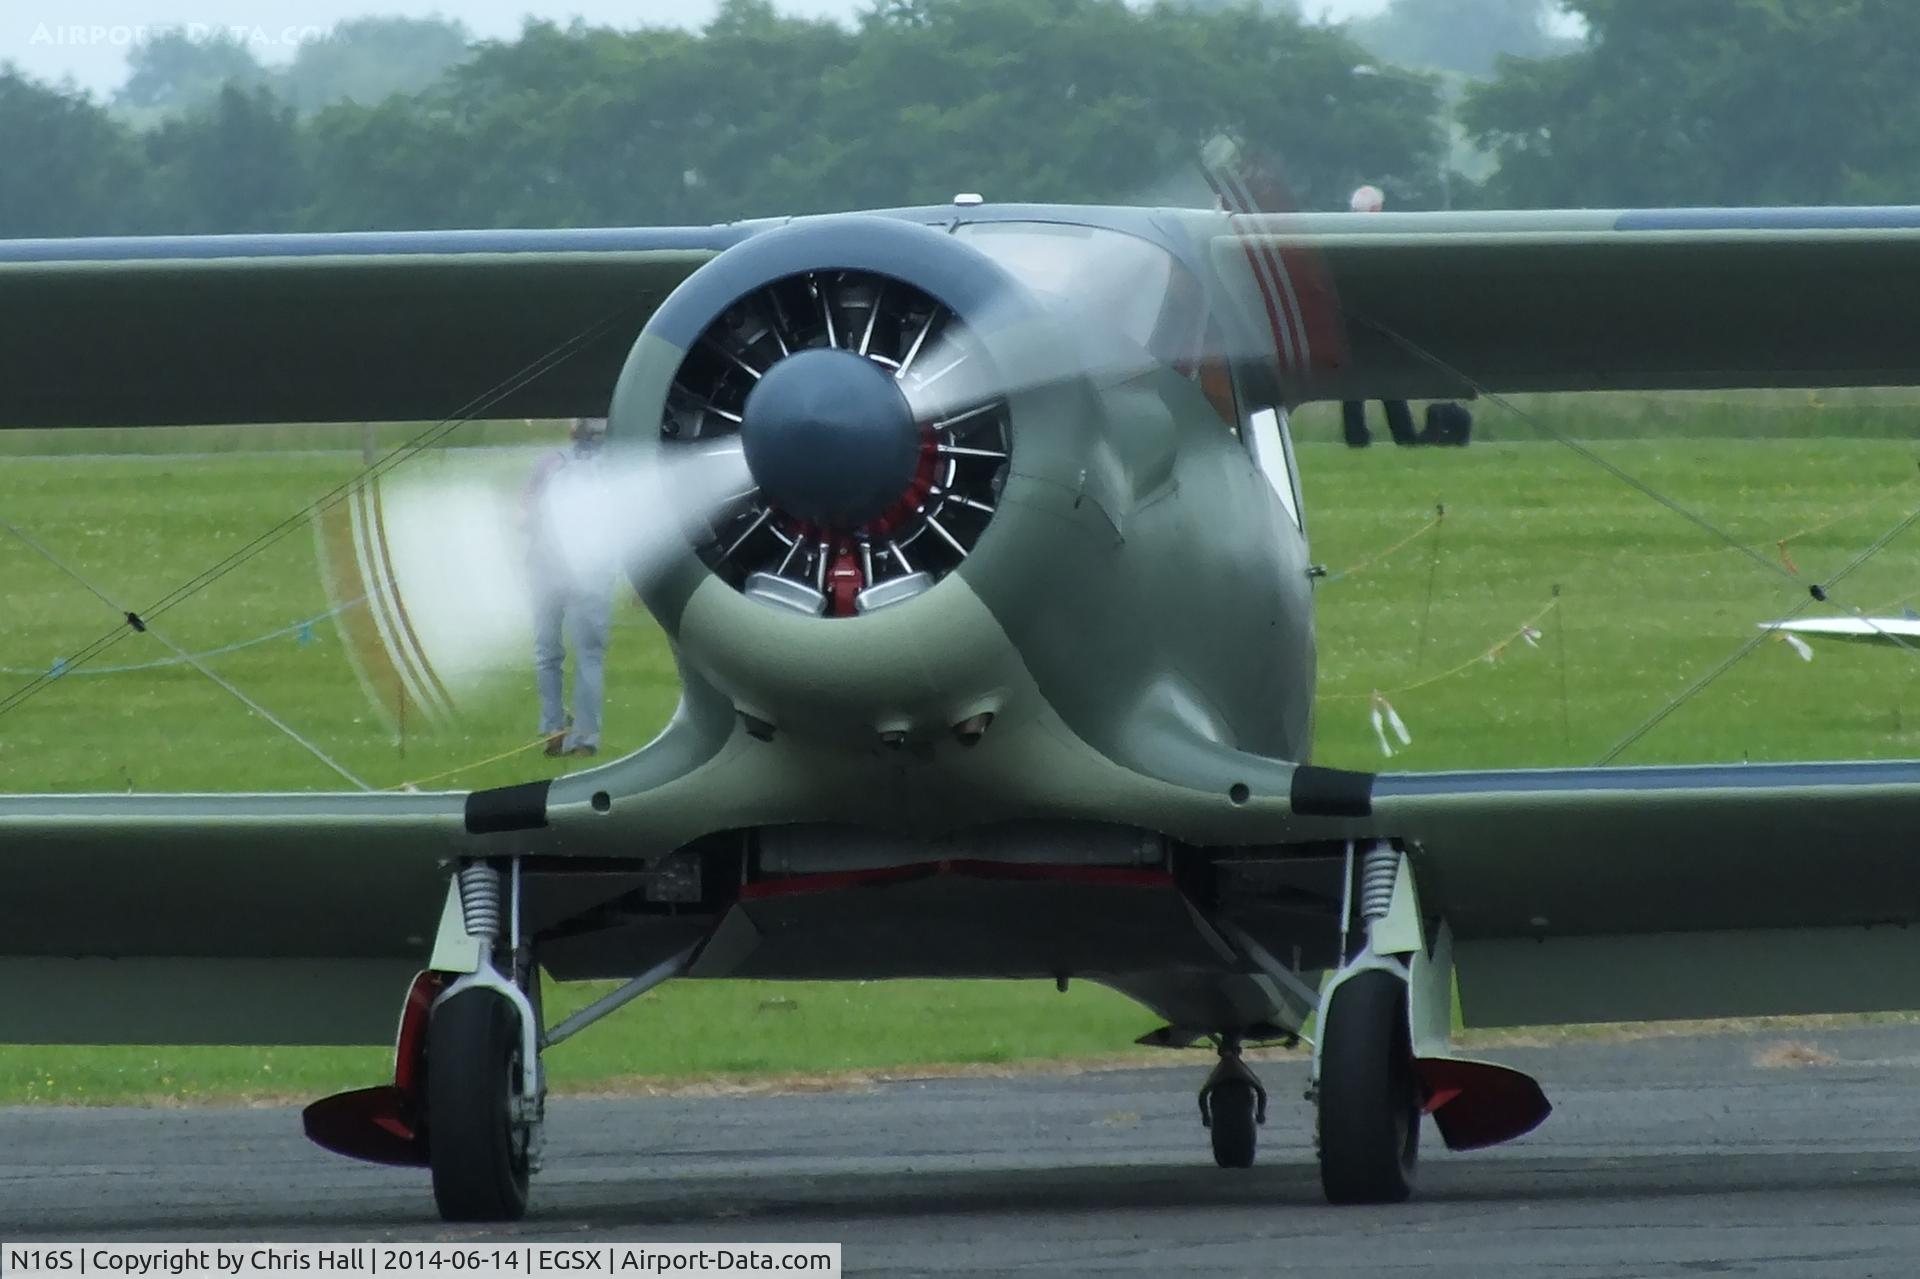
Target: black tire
{"x": 1235, "y": 1129}
{"x": 1448, "y": 424}
{"x": 479, "y": 1162}
{"x": 1369, "y": 1095}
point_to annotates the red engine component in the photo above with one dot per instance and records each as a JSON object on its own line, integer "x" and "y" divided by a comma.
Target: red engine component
{"x": 965, "y": 445}
{"x": 845, "y": 581}
{"x": 915, "y": 498}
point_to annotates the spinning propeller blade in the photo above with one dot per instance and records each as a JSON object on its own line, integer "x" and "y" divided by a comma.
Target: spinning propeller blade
{"x": 435, "y": 576}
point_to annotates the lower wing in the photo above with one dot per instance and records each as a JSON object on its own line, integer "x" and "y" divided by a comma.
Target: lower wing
{"x": 1588, "y": 895}
{"x": 217, "y": 918}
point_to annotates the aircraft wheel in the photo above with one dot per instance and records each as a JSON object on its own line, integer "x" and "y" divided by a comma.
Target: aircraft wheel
{"x": 1369, "y": 1094}
{"x": 1235, "y": 1129}
{"x": 477, "y": 1149}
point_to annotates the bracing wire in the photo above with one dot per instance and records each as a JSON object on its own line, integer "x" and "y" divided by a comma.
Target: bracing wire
{"x": 1700, "y": 685}
{"x": 162, "y": 663}
{"x": 1817, "y": 592}
{"x": 135, "y": 621}
{"x": 189, "y": 658}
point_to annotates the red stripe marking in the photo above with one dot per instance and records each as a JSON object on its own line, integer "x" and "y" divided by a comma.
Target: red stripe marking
{"x": 420, "y": 656}
{"x": 836, "y": 881}
{"x": 1235, "y": 204}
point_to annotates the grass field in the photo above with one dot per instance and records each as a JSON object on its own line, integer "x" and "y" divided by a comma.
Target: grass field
{"x": 1647, "y": 602}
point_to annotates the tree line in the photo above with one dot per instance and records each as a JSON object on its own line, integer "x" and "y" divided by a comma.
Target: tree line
{"x": 408, "y": 124}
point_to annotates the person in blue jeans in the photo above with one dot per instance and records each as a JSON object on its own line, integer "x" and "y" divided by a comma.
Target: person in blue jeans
{"x": 567, "y": 611}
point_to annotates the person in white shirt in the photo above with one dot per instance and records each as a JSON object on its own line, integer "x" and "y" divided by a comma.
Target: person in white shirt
{"x": 1353, "y": 413}
{"x": 1449, "y": 424}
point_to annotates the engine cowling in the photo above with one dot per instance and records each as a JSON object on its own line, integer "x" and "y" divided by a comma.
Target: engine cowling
{"x": 849, "y": 358}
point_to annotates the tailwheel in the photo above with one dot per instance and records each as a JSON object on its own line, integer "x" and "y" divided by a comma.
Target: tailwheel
{"x": 478, "y": 1137}
{"x": 1368, "y": 1091}
{"x": 1233, "y": 1124}
{"x": 1233, "y": 1105}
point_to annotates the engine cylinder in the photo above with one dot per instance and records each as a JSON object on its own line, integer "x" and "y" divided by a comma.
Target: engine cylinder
{"x": 847, "y": 356}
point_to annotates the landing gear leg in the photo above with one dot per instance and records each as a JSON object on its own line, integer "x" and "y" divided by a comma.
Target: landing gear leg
{"x": 1233, "y": 1105}
{"x": 485, "y": 1092}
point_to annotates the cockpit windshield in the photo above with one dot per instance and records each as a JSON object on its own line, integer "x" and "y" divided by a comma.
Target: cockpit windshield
{"x": 1129, "y": 283}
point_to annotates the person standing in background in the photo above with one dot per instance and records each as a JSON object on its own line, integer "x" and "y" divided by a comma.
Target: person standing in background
{"x": 1448, "y": 423}
{"x": 1367, "y": 199}
{"x": 1353, "y": 413}
{"x": 567, "y": 608}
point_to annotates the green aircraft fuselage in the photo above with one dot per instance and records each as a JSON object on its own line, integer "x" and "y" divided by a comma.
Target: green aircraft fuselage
{"x": 1136, "y": 620}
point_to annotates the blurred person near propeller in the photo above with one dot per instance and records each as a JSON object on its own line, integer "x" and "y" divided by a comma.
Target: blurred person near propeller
{"x": 572, "y": 598}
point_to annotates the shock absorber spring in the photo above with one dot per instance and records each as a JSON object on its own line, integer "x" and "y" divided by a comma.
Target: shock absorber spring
{"x": 1379, "y": 870}
{"x": 480, "y": 900}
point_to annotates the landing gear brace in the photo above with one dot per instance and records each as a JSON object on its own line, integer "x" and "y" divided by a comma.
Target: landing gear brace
{"x": 469, "y": 1093}
{"x": 1382, "y": 1050}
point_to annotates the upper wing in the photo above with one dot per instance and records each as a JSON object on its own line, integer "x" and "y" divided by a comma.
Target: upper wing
{"x": 1701, "y": 891}
{"x": 1444, "y": 304}
{"x": 411, "y": 325}
{"x": 368, "y": 326}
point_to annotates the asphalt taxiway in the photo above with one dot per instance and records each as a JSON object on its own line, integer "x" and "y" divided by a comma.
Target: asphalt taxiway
{"x": 1791, "y": 1153}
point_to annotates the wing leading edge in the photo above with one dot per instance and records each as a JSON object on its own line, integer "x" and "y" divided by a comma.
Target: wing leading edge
{"x": 1596, "y": 300}
{"x": 414, "y": 325}
{"x": 351, "y": 327}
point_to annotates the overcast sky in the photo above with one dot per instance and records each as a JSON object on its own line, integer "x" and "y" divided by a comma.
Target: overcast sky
{"x": 87, "y": 40}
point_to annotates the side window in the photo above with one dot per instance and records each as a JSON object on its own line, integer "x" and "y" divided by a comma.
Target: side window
{"x": 1272, "y": 448}
{"x": 1216, "y": 383}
